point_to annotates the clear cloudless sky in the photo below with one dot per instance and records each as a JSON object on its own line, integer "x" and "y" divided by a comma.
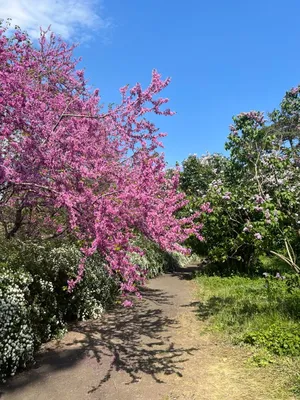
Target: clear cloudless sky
{"x": 224, "y": 57}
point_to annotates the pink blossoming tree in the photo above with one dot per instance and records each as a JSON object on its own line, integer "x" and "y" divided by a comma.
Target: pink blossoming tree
{"x": 67, "y": 167}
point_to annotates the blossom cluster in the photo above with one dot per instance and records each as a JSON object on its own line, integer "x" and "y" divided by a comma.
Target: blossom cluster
{"x": 16, "y": 336}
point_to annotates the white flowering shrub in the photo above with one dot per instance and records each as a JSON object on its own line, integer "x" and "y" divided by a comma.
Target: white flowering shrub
{"x": 94, "y": 293}
{"x": 16, "y": 335}
{"x": 34, "y": 302}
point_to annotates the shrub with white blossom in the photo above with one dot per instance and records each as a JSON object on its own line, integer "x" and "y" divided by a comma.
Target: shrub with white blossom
{"x": 16, "y": 336}
{"x": 34, "y": 303}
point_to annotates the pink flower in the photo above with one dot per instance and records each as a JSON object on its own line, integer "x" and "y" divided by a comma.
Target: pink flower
{"x": 127, "y": 303}
{"x": 60, "y": 229}
{"x": 206, "y": 208}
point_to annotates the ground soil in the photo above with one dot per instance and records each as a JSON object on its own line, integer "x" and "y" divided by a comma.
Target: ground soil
{"x": 157, "y": 350}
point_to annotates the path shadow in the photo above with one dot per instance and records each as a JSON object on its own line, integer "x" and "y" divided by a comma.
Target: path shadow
{"x": 212, "y": 306}
{"x": 136, "y": 341}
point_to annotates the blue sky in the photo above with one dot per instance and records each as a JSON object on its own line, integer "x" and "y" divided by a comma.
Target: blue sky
{"x": 224, "y": 57}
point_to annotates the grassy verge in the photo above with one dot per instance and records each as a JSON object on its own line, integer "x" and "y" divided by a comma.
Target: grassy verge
{"x": 257, "y": 312}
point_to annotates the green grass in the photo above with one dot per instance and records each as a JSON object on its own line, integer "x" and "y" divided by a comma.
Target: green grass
{"x": 257, "y": 313}
{"x": 242, "y": 306}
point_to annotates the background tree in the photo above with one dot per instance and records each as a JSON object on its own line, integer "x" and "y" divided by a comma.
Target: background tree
{"x": 255, "y": 197}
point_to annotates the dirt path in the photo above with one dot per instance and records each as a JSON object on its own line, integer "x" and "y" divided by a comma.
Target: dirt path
{"x": 154, "y": 351}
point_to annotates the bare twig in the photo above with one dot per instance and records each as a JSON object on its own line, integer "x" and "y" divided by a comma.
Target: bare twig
{"x": 36, "y": 185}
{"x": 78, "y": 116}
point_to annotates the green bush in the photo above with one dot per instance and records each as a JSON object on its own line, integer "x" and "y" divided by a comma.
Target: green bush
{"x": 35, "y": 304}
{"x": 277, "y": 339}
{"x": 269, "y": 264}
